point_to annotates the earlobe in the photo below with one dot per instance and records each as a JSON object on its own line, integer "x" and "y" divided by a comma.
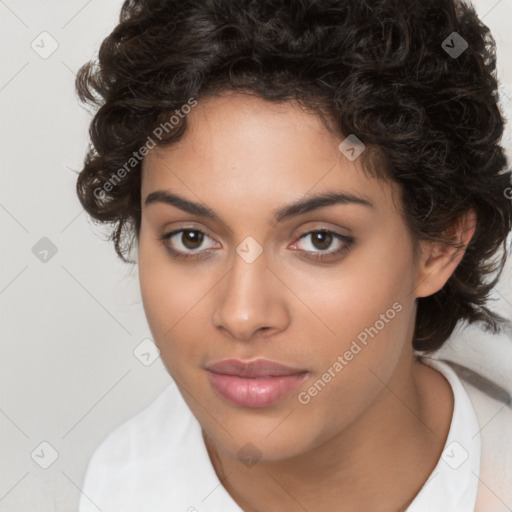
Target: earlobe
{"x": 439, "y": 260}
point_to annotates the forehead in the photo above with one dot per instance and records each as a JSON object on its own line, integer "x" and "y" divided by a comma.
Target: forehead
{"x": 249, "y": 151}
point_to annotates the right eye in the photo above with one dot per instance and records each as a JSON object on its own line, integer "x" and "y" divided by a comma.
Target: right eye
{"x": 184, "y": 240}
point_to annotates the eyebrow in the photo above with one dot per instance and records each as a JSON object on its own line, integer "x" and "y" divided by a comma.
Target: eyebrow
{"x": 290, "y": 210}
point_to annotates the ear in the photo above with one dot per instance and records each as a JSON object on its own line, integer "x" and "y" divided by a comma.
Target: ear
{"x": 438, "y": 261}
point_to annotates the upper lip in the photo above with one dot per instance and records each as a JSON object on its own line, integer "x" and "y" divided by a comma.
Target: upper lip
{"x": 256, "y": 368}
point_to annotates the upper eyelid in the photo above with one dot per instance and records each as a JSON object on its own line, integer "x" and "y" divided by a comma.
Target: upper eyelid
{"x": 338, "y": 236}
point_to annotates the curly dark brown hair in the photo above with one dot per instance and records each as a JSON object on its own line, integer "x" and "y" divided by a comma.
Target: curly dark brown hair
{"x": 391, "y": 72}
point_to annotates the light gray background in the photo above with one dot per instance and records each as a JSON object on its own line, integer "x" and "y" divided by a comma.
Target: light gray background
{"x": 69, "y": 326}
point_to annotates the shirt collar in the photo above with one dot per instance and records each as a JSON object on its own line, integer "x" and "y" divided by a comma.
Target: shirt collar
{"x": 453, "y": 484}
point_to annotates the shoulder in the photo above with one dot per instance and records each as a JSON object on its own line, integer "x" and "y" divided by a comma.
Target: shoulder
{"x": 483, "y": 364}
{"x": 493, "y": 406}
{"x": 143, "y": 433}
{"x": 128, "y": 462}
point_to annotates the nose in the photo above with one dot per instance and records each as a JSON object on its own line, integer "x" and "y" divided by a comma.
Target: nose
{"x": 251, "y": 300}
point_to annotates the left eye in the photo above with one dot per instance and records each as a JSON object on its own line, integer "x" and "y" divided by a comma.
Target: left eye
{"x": 322, "y": 240}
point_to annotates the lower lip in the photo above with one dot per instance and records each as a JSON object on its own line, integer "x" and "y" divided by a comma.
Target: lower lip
{"x": 255, "y": 392}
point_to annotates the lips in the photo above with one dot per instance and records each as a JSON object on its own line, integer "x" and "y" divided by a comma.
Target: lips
{"x": 256, "y": 383}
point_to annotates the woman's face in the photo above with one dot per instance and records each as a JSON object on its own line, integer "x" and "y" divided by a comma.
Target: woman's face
{"x": 252, "y": 286}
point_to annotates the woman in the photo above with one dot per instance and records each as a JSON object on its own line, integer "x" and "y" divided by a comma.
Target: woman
{"x": 318, "y": 196}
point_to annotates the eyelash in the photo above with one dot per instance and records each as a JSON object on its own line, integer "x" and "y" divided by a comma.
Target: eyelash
{"x": 198, "y": 255}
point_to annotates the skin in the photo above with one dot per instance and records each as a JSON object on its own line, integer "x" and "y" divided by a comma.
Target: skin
{"x": 373, "y": 435}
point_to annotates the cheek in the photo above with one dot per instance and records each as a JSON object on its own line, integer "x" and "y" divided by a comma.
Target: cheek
{"x": 363, "y": 312}
{"x": 168, "y": 294}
